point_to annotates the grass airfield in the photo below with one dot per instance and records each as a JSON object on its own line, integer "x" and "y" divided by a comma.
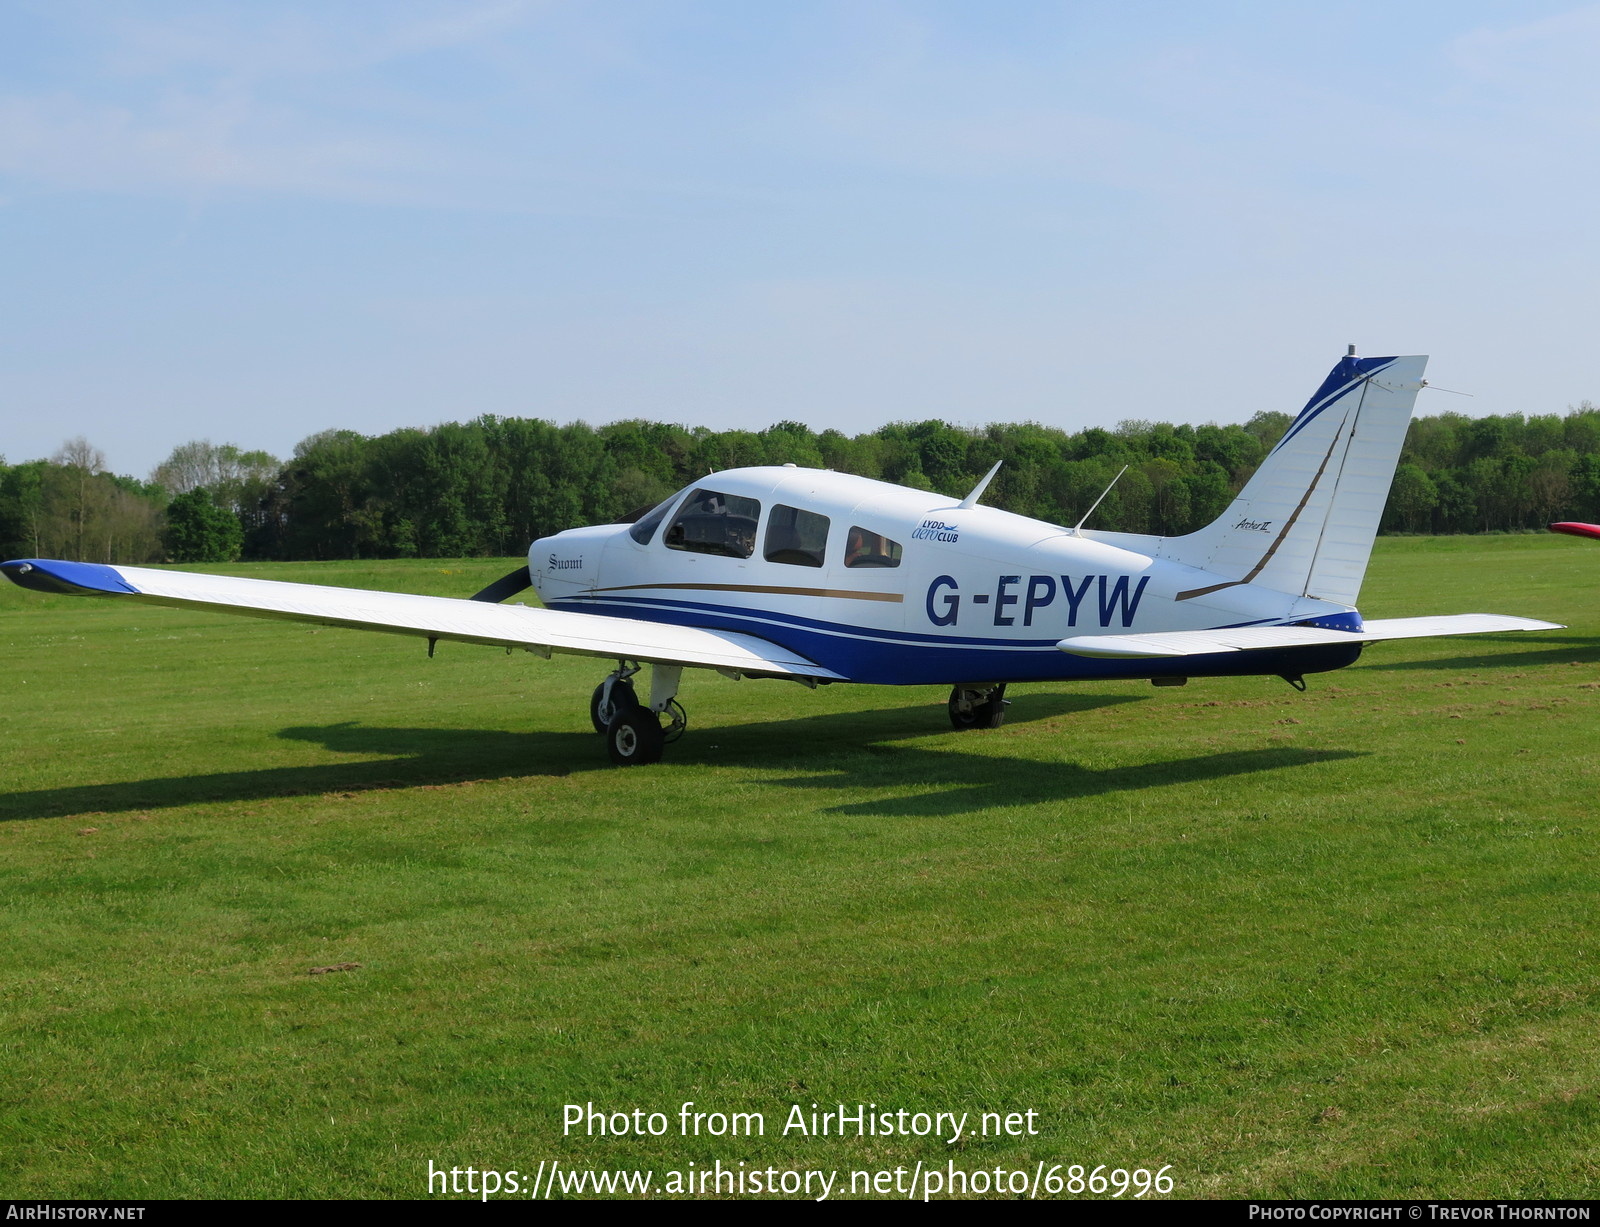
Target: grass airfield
{"x": 1333, "y": 944}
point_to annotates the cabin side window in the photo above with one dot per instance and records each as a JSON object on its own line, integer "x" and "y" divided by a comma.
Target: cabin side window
{"x": 710, "y": 522}
{"x": 795, "y": 536}
{"x": 865, "y": 548}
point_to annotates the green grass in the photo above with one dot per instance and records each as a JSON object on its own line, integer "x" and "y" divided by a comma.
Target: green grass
{"x": 1333, "y": 944}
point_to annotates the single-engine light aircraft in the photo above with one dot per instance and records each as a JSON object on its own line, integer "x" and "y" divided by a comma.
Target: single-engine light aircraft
{"x": 818, "y": 577}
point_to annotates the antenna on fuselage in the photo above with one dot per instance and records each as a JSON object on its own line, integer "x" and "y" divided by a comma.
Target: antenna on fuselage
{"x": 977, "y": 491}
{"x": 1077, "y": 529}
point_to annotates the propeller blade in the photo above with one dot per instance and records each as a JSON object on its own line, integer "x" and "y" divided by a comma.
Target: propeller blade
{"x": 506, "y": 585}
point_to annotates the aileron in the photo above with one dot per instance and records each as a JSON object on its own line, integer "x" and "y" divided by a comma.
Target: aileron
{"x": 431, "y": 617}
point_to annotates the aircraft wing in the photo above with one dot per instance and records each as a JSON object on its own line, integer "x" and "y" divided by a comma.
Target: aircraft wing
{"x": 1576, "y": 529}
{"x": 1256, "y": 638}
{"x": 429, "y": 617}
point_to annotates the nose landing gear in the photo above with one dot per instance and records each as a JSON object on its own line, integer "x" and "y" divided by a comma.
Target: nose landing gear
{"x": 611, "y": 696}
{"x": 634, "y": 737}
{"x": 634, "y": 732}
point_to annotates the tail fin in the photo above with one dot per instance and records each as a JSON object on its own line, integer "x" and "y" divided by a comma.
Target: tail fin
{"x": 1304, "y": 523}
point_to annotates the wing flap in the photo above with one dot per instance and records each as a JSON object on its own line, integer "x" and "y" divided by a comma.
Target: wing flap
{"x": 431, "y": 617}
{"x": 1261, "y": 638}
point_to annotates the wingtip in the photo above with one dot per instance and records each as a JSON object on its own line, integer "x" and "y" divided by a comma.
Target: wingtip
{"x": 1575, "y": 529}
{"x": 69, "y": 578}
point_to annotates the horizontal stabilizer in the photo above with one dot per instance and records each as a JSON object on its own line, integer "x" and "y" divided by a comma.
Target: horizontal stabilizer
{"x": 1261, "y": 638}
{"x": 429, "y": 617}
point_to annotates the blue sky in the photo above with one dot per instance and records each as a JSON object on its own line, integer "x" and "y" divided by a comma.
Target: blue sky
{"x": 249, "y": 222}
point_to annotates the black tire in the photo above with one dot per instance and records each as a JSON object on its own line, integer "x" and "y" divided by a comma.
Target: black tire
{"x": 988, "y": 715}
{"x": 621, "y": 696}
{"x": 635, "y": 737}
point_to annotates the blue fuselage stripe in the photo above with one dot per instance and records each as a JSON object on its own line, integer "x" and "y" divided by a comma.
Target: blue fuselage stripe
{"x": 906, "y": 658}
{"x": 774, "y": 618}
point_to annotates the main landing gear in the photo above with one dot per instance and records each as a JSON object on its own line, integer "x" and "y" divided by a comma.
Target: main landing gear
{"x": 978, "y": 707}
{"x": 633, "y": 731}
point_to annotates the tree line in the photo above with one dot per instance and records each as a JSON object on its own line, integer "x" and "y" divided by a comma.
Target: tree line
{"x": 490, "y": 486}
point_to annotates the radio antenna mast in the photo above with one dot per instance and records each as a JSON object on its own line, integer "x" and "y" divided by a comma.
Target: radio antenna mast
{"x": 1077, "y": 529}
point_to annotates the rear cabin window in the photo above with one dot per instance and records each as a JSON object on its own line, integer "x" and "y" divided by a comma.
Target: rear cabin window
{"x": 865, "y": 548}
{"x": 795, "y": 536}
{"x": 710, "y": 522}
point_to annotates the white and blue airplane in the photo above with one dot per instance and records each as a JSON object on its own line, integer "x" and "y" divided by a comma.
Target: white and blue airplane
{"x": 819, "y": 577}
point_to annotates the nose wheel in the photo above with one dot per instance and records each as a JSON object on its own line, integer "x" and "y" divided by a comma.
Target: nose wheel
{"x": 635, "y": 737}
{"x": 633, "y": 731}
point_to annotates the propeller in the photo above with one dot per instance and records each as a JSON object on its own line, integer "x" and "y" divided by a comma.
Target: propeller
{"x": 506, "y": 585}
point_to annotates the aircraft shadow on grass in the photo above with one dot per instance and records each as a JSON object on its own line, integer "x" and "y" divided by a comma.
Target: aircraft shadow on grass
{"x": 431, "y": 757}
{"x": 1582, "y": 648}
{"x": 967, "y": 783}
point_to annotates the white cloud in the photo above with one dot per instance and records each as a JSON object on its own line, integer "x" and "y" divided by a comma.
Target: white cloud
{"x": 278, "y": 42}
{"x": 1553, "y": 56}
{"x": 248, "y": 100}
{"x": 189, "y": 144}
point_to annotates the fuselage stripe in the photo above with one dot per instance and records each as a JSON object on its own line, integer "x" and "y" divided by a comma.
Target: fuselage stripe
{"x": 848, "y": 594}
{"x": 630, "y": 607}
{"x": 645, "y": 606}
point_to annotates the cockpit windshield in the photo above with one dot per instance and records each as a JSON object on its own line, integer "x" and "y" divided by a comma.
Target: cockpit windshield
{"x": 642, "y": 529}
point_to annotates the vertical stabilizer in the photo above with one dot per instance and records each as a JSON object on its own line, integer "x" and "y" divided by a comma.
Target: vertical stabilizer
{"x": 1305, "y": 522}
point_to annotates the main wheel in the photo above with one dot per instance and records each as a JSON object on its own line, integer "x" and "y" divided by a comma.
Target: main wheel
{"x": 990, "y": 714}
{"x": 601, "y": 713}
{"x": 634, "y": 737}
